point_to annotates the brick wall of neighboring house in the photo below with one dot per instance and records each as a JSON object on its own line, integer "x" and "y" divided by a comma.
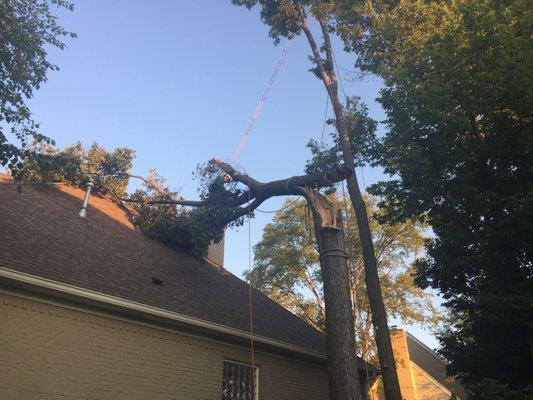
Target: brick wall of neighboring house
{"x": 55, "y": 352}
{"x": 426, "y": 387}
{"x": 415, "y": 382}
{"x": 404, "y": 368}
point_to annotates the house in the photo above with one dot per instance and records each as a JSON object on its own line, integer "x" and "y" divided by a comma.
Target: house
{"x": 421, "y": 372}
{"x": 92, "y": 309}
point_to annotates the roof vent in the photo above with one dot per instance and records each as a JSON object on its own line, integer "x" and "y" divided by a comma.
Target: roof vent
{"x": 157, "y": 281}
{"x": 83, "y": 209}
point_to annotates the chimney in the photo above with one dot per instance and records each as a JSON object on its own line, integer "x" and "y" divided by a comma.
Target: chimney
{"x": 215, "y": 252}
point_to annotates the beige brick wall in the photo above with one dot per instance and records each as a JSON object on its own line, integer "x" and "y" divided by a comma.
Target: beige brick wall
{"x": 54, "y": 352}
{"x": 404, "y": 368}
{"x": 415, "y": 383}
{"x": 426, "y": 388}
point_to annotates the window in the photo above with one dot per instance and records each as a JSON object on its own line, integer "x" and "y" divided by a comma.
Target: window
{"x": 239, "y": 381}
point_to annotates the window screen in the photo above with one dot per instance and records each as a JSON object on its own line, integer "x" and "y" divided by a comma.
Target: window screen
{"x": 239, "y": 381}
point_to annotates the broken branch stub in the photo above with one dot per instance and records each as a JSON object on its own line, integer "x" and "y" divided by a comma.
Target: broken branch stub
{"x": 324, "y": 213}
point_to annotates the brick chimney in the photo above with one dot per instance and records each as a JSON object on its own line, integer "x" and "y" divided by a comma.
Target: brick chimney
{"x": 215, "y": 252}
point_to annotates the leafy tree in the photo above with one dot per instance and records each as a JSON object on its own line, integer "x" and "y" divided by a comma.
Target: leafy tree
{"x": 27, "y": 28}
{"x": 362, "y": 134}
{"x": 458, "y": 98}
{"x": 286, "y": 268}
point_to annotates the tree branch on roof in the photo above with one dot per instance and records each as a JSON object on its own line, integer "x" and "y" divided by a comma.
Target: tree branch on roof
{"x": 257, "y": 192}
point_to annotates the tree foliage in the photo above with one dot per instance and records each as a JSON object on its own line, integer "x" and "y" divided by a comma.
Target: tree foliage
{"x": 226, "y": 195}
{"x": 191, "y": 230}
{"x": 76, "y": 166}
{"x": 286, "y": 268}
{"x": 362, "y": 134}
{"x": 282, "y": 16}
{"x": 458, "y": 97}
{"x": 27, "y": 29}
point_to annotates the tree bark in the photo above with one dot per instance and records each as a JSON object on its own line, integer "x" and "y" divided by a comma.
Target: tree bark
{"x": 340, "y": 335}
{"x": 379, "y": 316}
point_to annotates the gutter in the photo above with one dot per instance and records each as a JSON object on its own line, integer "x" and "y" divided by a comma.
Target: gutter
{"x": 15, "y": 279}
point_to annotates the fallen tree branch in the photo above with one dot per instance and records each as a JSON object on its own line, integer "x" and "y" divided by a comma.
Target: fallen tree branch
{"x": 257, "y": 191}
{"x": 179, "y": 202}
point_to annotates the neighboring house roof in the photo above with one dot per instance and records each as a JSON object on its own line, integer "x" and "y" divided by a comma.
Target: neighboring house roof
{"x": 42, "y": 235}
{"x": 432, "y": 364}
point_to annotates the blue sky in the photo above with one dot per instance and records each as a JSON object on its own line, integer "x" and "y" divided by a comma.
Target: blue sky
{"x": 178, "y": 82}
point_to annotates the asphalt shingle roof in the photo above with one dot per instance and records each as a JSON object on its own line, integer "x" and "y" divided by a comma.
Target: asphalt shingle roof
{"x": 41, "y": 234}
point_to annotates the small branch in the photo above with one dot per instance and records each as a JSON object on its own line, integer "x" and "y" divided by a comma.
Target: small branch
{"x": 316, "y": 53}
{"x": 242, "y": 211}
{"x": 236, "y": 175}
{"x": 147, "y": 182}
{"x": 330, "y": 62}
{"x": 188, "y": 203}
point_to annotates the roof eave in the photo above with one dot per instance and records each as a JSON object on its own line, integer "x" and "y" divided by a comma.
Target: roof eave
{"x": 12, "y": 279}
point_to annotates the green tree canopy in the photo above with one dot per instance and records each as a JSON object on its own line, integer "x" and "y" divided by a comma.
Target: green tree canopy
{"x": 27, "y": 29}
{"x": 286, "y": 268}
{"x": 458, "y": 97}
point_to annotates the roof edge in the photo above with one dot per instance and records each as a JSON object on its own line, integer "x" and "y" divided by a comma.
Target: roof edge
{"x": 34, "y": 281}
{"x": 432, "y": 379}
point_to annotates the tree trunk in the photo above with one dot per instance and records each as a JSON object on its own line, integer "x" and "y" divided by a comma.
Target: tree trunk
{"x": 343, "y": 382}
{"x": 326, "y": 70}
{"x": 340, "y": 335}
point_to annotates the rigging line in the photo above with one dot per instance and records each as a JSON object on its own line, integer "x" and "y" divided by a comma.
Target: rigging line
{"x": 279, "y": 209}
{"x": 339, "y": 78}
{"x": 261, "y": 102}
{"x": 345, "y": 204}
{"x": 322, "y": 134}
{"x": 250, "y": 302}
{"x": 350, "y": 262}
